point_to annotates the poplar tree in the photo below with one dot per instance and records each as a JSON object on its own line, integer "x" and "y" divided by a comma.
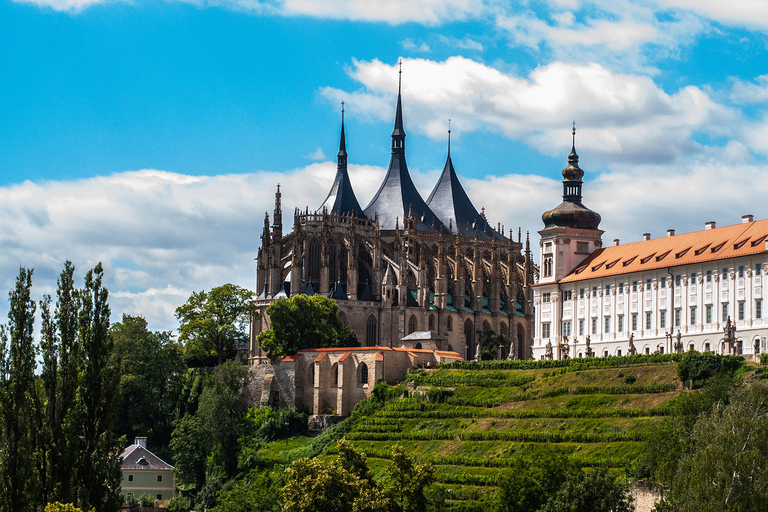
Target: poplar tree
{"x": 17, "y": 473}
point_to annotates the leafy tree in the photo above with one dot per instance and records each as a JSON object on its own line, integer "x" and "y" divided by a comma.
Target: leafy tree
{"x": 304, "y": 322}
{"x": 490, "y": 343}
{"x": 697, "y": 368}
{"x": 408, "y": 481}
{"x": 725, "y": 469}
{"x": 592, "y": 491}
{"x": 259, "y": 491}
{"x": 17, "y": 466}
{"x": 61, "y": 507}
{"x": 530, "y": 479}
{"x": 152, "y": 373}
{"x": 211, "y": 323}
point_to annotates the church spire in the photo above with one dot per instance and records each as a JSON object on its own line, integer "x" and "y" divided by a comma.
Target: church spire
{"x": 342, "y": 156}
{"x": 341, "y": 199}
{"x": 398, "y": 134}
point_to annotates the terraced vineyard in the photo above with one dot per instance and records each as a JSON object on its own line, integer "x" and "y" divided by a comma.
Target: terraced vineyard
{"x": 471, "y": 423}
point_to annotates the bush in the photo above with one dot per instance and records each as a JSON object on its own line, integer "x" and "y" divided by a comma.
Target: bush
{"x": 698, "y": 368}
{"x": 764, "y": 358}
{"x": 629, "y": 378}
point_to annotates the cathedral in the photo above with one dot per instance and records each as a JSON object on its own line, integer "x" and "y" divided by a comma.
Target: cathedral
{"x": 401, "y": 265}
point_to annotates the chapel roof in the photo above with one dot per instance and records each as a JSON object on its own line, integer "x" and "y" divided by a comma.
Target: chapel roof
{"x": 137, "y": 457}
{"x": 745, "y": 239}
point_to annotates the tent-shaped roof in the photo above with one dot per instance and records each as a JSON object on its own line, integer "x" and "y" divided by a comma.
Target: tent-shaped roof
{"x": 341, "y": 198}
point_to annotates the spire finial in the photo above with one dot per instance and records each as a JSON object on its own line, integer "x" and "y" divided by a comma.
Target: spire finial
{"x": 342, "y": 111}
{"x": 449, "y": 137}
{"x": 400, "y": 77}
{"x": 573, "y": 134}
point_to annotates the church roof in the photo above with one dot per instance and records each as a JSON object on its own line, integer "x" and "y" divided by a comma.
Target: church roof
{"x": 745, "y": 239}
{"x": 397, "y": 196}
{"x": 452, "y": 205}
{"x": 422, "y": 335}
{"x": 341, "y": 198}
{"x": 138, "y": 457}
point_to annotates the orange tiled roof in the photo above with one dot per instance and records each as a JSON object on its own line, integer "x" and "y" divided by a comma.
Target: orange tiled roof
{"x": 292, "y": 358}
{"x": 324, "y": 351}
{"x": 743, "y": 239}
{"x": 344, "y": 357}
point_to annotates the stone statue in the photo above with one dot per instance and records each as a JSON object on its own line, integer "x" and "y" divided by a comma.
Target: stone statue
{"x": 729, "y": 336}
{"x": 678, "y": 343}
{"x": 548, "y": 351}
{"x": 477, "y": 351}
{"x": 632, "y": 349}
{"x": 564, "y": 348}
{"x": 589, "y": 350}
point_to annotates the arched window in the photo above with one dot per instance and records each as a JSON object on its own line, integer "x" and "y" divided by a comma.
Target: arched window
{"x": 370, "y": 332}
{"x": 431, "y": 322}
{"x": 469, "y": 339}
{"x": 486, "y": 326}
{"x": 342, "y": 317}
{"x": 311, "y": 374}
{"x": 418, "y": 346}
{"x": 412, "y": 325}
{"x": 363, "y": 374}
{"x": 335, "y": 375}
{"x": 450, "y": 324}
{"x": 314, "y": 260}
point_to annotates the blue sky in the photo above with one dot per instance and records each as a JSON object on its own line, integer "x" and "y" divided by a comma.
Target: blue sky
{"x": 150, "y": 135}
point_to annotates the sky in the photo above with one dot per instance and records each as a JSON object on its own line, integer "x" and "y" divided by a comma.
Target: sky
{"x": 150, "y": 135}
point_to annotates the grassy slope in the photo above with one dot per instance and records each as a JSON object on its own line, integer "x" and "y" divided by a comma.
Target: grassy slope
{"x": 469, "y": 423}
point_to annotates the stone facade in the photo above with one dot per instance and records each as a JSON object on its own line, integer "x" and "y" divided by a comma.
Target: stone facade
{"x": 333, "y": 380}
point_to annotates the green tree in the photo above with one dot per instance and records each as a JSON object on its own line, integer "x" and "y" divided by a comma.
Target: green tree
{"x": 211, "y": 323}
{"x": 304, "y": 322}
{"x": 530, "y": 480}
{"x": 490, "y": 343}
{"x": 17, "y": 466}
{"x": 152, "y": 372}
{"x": 408, "y": 481}
{"x": 258, "y": 491}
{"x": 725, "y": 469}
{"x": 595, "y": 490}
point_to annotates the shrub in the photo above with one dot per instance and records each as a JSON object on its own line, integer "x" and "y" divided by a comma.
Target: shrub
{"x": 629, "y": 378}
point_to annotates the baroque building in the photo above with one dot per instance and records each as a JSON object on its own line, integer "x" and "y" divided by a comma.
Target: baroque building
{"x": 401, "y": 264}
{"x": 701, "y": 290}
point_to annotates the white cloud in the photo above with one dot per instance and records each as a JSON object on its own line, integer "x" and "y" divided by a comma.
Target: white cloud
{"x": 742, "y": 13}
{"x": 621, "y": 117}
{"x": 462, "y": 44}
{"x": 750, "y": 93}
{"x": 318, "y": 154}
{"x": 409, "y": 45}
{"x": 63, "y": 5}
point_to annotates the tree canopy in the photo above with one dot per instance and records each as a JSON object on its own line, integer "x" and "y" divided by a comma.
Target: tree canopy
{"x": 304, "y": 322}
{"x": 212, "y": 323}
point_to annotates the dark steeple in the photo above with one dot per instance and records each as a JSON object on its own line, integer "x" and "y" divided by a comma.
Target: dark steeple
{"x": 452, "y": 205}
{"x": 397, "y": 197}
{"x": 341, "y": 199}
{"x": 571, "y": 213}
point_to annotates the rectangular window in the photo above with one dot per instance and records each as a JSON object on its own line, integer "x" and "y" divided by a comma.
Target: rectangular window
{"x": 677, "y": 318}
{"x": 567, "y": 295}
{"x": 693, "y": 278}
{"x": 634, "y": 321}
{"x": 594, "y": 291}
{"x": 663, "y": 282}
{"x": 130, "y": 478}
{"x": 758, "y": 268}
{"x": 725, "y": 312}
{"x": 758, "y": 308}
{"x": 648, "y": 283}
{"x": 159, "y": 478}
{"x": 581, "y": 327}
{"x": 663, "y": 319}
{"x": 581, "y": 293}
{"x": 159, "y": 497}
{"x": 607, "y": 289}
{"x": 677, "y": 280}
{"x": 709, "y": 276}
{"x": 693, "y": 315}
{"x": 741, "y": 311}
{"x": 648, "y": 320}
{"x": 594, "y": 326}
{"x": 620, "y": 325}
{"x": 621, "y": 287}
{"x": 709, "y": 314}
{"x": 545, "y": 330}
{"x": 634, "y": 286}
{"x": 567, "y": 328}
{"x": 607, "y": 325}
{"x": 741, "y": 270}
{"x": 545, "y": 297}
{"x": 724, "y": 276}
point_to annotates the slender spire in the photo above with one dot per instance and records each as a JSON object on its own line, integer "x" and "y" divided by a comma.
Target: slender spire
{"x": 341, "y": 198}
{"x": 398, "y": 134}
{"x": 342, "y": 156}
{"x": 449, "y": 138}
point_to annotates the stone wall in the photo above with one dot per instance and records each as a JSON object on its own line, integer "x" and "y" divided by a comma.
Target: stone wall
{"x": 266, "y": 379}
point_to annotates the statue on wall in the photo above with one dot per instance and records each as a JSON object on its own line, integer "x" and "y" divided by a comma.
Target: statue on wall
{"x": 729, "y": 336}
{"x": 564, "y": 348}
{"x": 678, "y": 343}
{"x": 632, "y": 349}
{"x": 477, "y": 351}
{"x": 589, "y": 350}
{"x": 548, "y": 351}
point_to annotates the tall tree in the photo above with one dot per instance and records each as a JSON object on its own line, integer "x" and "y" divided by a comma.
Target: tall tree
{"x": 304, "y": 322}
{"x": 98, "y": 465}
{"x": 595, "y": 490}
{"x": 18, "y": 482}
{"x": 211, "y": 323}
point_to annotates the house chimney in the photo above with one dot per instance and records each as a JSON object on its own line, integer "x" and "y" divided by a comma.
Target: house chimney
{"x": 746, "y": 218}
{"x": 615, "y": 241}
{"x": 141, "y": 441}
{"x": 709, "y": 225}
{"x": 646, "y": 236}
{"x": 670, "y": 232}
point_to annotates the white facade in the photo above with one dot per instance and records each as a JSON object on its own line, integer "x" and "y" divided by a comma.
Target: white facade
{"x": 695, "y": 298}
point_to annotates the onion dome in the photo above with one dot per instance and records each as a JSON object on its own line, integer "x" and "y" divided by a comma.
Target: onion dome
{"x": 571, "y": 213}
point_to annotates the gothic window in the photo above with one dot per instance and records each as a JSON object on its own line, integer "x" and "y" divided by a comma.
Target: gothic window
{"x": 417, "y": 346}
{"x": 431, "y": 322}
{"x": 412, "y": 325}
{"x": 314, "y": 260}
{"x": 450, "y": 324}
{"x": 363, "y": 374}
{"x": 370, "y": 332}
{"x": 335, "y": 375}
{"x": 342, "y": 317}
{"x": 486, "y": 326}
{"x": 468, "y": 332}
